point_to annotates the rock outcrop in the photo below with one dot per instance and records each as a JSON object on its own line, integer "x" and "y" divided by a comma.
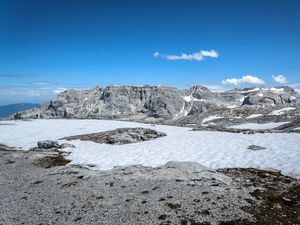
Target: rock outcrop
{"x": 51, "y": 146}
{"x": 120, "y": 136}
{"x": 272, "y": 97}
{"x": 110, "y": 102}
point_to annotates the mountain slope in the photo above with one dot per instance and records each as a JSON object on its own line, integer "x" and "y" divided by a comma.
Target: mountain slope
{"x": 166, "y": 104}
{"x": 7, "y": 110}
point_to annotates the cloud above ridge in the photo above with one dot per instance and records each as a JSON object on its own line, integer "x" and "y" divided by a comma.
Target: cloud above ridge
{"x": 279, "y": 79}
{"x": 247, "y": 79}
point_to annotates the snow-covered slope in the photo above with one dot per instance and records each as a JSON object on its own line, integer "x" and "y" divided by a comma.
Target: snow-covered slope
{"x": 212, "y": 149}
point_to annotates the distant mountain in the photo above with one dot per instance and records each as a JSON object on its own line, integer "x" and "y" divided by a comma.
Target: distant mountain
{"x": 169, "y": 105}
{"x": 7, "y": 110}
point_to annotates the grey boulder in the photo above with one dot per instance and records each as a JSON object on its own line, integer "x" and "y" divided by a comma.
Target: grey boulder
{"x": 48, "y": 144}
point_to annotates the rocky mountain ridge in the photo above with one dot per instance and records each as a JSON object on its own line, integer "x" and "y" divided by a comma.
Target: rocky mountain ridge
{"x": 161, "y": 104}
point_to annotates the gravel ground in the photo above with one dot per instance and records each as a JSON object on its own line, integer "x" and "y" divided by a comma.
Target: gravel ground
{"x": 43, "y": 189}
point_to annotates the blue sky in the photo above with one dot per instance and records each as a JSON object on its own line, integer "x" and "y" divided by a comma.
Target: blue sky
{"x": 51, "y": 45}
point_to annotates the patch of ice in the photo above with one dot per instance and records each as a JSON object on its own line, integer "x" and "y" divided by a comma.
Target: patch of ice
{"x": 277, "y": 90}
{"x": 250, "y": 90}
{"x": 232, "y": 106}
{"x": 260, "y": 94}
{"x": 272, "y": 89}
{"x": 187, "y": 98}
{"x": 212, "y": 149}
{"x": 210, "y": 118}
{"x": 183, "y": 111}
{"x": 258, "y": 126}
{"x": 281, "y": 111}
{"x": 254, "y": 116}
{"x": 190, "y": 98}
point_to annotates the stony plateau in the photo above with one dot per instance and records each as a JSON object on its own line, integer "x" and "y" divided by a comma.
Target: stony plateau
{"x": 34, "y": 183}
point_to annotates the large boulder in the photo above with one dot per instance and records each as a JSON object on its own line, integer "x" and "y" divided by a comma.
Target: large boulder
{"x": 51, "y": 146}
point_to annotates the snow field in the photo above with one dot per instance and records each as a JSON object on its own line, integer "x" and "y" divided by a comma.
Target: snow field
{"x": 212, "y": 149}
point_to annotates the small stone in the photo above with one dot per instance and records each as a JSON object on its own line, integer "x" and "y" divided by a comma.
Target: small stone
{"x": 255, "y": 147}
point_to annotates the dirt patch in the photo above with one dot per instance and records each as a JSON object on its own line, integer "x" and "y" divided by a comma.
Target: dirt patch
{"x": 174, "y": 205}
{"x": 51, "y": 161}
{"x": 280, "y": 196}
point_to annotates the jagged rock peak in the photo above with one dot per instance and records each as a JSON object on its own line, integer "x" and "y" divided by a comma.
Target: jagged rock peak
{"x": 200, "y": 88}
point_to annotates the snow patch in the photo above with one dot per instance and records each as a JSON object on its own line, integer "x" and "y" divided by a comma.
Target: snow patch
{"x": 281, "y": 111}
{"x": 190, "y": 98}
{"x": 232, "y": 106}
{"x": 272, "y": 89}
{"x": 210, "y": 118}
{"x": 250, "y": 90}
{"x": 254, "y": 116}
{"x": 277, "y": 90}
{"x": 187, "y": 98}
{"x": 260, "y": 94}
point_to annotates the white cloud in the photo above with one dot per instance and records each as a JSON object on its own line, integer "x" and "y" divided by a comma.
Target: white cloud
{"x": 156, "y": 54}
{"x": 280, "y": 79}
{"x": 198, "y": 56}
{"x": 248, "y": 79}
{"x": 39, "y": 83}
{"x": 33, "y": 94}
{"x": 211, "y": 53}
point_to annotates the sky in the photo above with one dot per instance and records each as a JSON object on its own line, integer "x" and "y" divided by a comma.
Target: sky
{"x": 52, "y": 45}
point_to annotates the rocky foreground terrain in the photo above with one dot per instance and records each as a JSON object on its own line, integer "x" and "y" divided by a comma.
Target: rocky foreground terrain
{"x": 197, "y": 106}
{"x": 42, "y": 188}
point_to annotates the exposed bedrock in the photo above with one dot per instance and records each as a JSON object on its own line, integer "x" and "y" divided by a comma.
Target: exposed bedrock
{"x": 162, "y": 104}
{"x": 120, "y": 136}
